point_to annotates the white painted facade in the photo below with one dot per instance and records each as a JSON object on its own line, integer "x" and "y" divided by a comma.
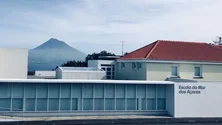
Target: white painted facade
{"x": 161, "y": 70}
{"x": 14, "y": 63}
{"x": 106, "y": 65}
{"x": 80, "y": 74}
{"x": 100, "y": 63}
{"x": 203, "y": 100}
{"x": 45, "y": 73}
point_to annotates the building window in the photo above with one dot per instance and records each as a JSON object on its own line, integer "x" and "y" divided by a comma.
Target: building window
{"x": 133, "y": 65}
{"x": 122, "y": 65}
{"x": 139, "y": 65}
{"x": 197, "y": 71}
{"x": 174, "y": 71}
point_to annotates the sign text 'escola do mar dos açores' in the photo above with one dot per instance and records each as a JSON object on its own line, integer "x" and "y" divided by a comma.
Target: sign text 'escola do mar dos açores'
{"x": 191, "y": 89}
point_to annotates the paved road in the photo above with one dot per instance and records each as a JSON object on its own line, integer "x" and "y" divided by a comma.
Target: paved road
{"x": 69, "y": 123}
{"x": 181, "y": 124}
{"x": 188, "y": 124}
{"x": 114, "y": 124}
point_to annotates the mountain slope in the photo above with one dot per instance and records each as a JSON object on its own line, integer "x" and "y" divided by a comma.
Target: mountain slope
{"x": 53, "y": 53}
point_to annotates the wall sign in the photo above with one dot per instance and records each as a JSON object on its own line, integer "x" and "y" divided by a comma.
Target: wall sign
{"x": 191, "y": 89}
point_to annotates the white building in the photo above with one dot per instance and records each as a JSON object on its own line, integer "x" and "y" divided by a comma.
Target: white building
{"x": 14, "y": 63}
{"x": 43, "y": 75}
{"x": 106, "y": 65}
{"x": 60, "y": 97}
{"x": 163, "y": 59}
{"x": 92, "y": 73}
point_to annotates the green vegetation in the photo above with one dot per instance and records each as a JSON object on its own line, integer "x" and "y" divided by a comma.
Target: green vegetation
{"x": 93, "y": 56}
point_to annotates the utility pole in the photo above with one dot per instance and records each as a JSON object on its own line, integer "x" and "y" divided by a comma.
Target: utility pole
{"x": 122, "y": 46}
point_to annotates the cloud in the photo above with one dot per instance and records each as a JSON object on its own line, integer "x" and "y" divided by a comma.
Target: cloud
{"x": 103, "y": 23}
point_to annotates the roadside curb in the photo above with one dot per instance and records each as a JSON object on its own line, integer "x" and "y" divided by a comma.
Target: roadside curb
{"x": 116, "y": 121}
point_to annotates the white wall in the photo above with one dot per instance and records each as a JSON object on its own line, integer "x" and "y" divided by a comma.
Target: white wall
{"x": 13, "y": 63}
{"x": 205, "y": 103}
{"x": 58, "y": 73}
{"x": 93, "y": 75}
{"x": 160, "y": 71}
{"x": 97, "y": 63}
{"x": 45, "y": 73}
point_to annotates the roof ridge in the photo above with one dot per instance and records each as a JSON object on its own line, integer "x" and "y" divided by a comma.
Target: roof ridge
{"x": 181, "y": 41}
{"x": 149, "y": 53}
{"x": 141, "y": 47}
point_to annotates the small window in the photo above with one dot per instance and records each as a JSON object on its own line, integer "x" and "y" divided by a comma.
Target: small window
{"x": 122, "y": 65}
{"x": 108, "y": 73}
{"x": 113, "y": 67}
{"x": 108, "y": 77}
{"x": 174, "y": 71}
{"x": 197, "y": 71}
{"x": 133, "y": 65}
{"x": 139, "y": 65}
{"x": 108, "y": 69}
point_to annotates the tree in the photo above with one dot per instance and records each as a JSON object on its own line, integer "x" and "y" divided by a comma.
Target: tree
{"x": 74, "y": 64}
{"x": 126, "y": 53}
{"x": 92, "y": 56}
{"x": 95, "y": 56}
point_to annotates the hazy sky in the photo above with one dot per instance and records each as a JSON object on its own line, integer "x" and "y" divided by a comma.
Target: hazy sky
{"x": 95, "y": 25}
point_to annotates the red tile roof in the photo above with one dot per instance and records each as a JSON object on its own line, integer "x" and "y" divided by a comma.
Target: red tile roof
{"x": 178, "y": 51}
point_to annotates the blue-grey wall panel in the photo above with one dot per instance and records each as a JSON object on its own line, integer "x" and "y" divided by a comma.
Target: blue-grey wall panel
{"x": 131, "y": 104}
{"x": 65, "y": 104}
{"x": 78, "y": 97}
{"x": 30, "y": 90}
{"x": 120, "y": 91}
{"x": 30, "y": 105}
{"x": 42, "y": 90}
{"x": 143, "y": 104}
{"x": 42, "y": 104}
{"x": 5, "y": 104}
{"x": 5, "y": 90}
{"x": 18, "y": 90}
{"x": 151, "y": 91}
{"x": 120, "y": 104}
{"x": 161, "y": 91}
{"x": 99, "y": 91}
{"x": 65, "y": 91}
{"x": 54, "y": 90}
{"x": 75, "y": 103}
{"x": 131, "y": 91}
{"x": 17, "y": 104}
{"x": 161, "y": 104}
{"x": 88, "y": 91}
{"x": 141, "y": 91}
{"x": 87, "y": 104}
{"x": 109, "y": 104}
{"x": 76, "y": 90}
{"x": 110, "y": 91}
{"x": 151, "y": 104}
{"x": 99, "y": 104}
{"x": 53, "y": 104}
